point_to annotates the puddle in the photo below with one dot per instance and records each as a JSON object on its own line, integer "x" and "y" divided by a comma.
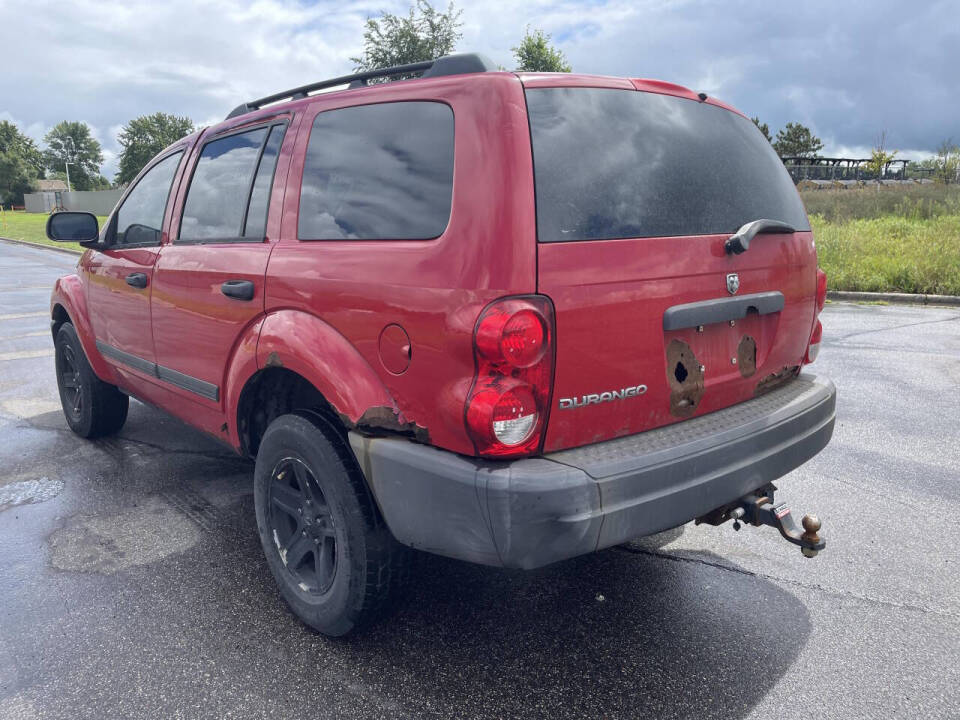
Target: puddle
{"x": 136, "y": 536}
{"x": 24, "y": 492}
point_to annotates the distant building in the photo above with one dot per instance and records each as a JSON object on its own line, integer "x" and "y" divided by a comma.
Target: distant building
{"x": 51, "y": 186}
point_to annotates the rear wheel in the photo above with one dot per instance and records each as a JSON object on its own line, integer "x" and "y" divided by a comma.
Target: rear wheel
{"x": 91, "y": 407}
{"x": 334, "y": 560}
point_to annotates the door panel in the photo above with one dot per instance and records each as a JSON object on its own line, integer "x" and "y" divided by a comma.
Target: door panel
{"x": 121, "y": 317}
{"x": 120, "y": 278}
{"x": 209, "y": 282}
{"x": 195, "y": 324}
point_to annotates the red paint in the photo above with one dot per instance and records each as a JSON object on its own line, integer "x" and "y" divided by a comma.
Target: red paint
{"x": 320, "y": 307}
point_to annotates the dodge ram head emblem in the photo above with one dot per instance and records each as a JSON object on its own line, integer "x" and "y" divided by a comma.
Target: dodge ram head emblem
{"x": 733, "y": 283}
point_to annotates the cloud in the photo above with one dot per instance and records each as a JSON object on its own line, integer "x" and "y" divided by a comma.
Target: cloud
{"x": 848, "y": 70}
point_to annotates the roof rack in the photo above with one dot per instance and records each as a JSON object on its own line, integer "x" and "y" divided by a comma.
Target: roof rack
{"x": 458, "y": 64}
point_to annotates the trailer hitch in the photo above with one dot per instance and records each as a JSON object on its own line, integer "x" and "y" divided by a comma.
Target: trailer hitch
{"x": 758, "y": 508}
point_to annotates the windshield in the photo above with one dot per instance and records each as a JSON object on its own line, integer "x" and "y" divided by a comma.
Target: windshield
{"x": 626, "y": 164}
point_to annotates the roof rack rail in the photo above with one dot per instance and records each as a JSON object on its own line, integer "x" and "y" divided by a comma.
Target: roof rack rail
{"x": 457, "y": 64}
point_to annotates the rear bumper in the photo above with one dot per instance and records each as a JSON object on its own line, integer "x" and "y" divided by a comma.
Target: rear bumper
{"x": 531, "y": 512}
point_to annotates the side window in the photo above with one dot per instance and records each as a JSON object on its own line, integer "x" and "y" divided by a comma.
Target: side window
{"x": 256, "y": 222}
{"x": 233, "y": 174}
{"x": 140, "y": 218}
{"x": 381, "y": 172}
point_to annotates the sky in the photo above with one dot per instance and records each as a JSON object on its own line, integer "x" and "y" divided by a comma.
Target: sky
{"x": 847, "y": 69}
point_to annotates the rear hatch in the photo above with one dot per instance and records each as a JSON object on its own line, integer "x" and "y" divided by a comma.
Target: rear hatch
{"x": 638, "y": 187}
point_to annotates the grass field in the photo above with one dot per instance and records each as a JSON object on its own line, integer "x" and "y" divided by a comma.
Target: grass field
{"x": 31, "y": 227}
{"x": 892, "y": 240}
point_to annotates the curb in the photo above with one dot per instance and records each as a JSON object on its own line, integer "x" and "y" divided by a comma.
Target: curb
{"x": 68, "y": 251}
{"x": 897, "y": 298}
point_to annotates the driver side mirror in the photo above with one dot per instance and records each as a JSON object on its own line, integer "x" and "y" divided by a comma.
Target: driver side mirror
{"x": 78, "y": 227}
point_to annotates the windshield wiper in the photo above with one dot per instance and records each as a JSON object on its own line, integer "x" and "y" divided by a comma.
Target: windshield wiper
{"x": 740, "y": 242}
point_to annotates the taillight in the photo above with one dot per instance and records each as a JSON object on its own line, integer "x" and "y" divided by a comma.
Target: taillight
{"x": 821, "y": 290}
{"x": 813, "y": 347}
{"x": 506, "y": 411}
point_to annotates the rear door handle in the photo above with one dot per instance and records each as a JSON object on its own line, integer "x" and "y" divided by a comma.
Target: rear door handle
{"x": 238, "y": 289}
{"x": 137, "y": 280}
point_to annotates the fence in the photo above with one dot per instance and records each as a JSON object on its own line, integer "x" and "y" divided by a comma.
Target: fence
{"x": 852, "y": 170}
{"x": 98, "y": 202}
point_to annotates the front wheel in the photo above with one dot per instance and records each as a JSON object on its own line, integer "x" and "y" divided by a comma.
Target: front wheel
{"x": 335, "y": 562}
{"x": 91, "y": 407}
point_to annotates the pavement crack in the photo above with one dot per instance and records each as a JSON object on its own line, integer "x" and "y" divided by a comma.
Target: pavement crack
{"x": 846, "y": 594}
{"x": 896, "y": 327}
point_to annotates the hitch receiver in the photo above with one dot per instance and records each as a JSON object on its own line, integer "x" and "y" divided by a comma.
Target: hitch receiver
{"x": 758, "y": 509}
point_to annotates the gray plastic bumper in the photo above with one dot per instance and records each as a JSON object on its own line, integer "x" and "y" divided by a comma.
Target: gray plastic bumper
{"x": 531, "y": 512}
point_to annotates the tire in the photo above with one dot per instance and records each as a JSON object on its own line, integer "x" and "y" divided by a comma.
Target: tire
{"x": 335, "y": 562}
{"x": 91, "y": 407}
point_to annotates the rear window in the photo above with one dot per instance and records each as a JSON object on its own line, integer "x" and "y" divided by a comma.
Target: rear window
{"x": 623, "y": 163}
{"x": 378, "y": 172}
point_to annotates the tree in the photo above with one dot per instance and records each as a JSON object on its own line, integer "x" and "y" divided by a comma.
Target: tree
{"x": 764, "y": 128}
{"x": 12, "y": 140}
{"x": 534, "y": 54}
{"x": 947, "y": 162}
{"x": 143, "y": 137}
{"x": 72, "y": 142}
{"x": 20, "y": 164}
{"x": 16, "y": 178}
{"x": 424, "y": 34}
{"x": 795, "y": 140}
{"x": 879, "y": 157}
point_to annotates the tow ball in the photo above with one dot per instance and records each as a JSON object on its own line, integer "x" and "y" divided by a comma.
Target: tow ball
{"x": 758, "y": 508}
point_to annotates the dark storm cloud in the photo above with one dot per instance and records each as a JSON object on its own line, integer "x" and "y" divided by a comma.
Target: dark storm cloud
{"x": 847, "y": 69}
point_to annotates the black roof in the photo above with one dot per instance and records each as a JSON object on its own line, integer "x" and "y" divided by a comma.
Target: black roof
{"x": 458, "y": 64}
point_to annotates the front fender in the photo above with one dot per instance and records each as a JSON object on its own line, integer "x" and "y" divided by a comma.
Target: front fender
{"x": 308, "y": 346}
{"x": 68, "y": 293}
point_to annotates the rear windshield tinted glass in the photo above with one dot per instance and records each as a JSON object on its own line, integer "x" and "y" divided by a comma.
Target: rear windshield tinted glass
{"x": 621, "y": 163}
{"x": 380, "y": 171}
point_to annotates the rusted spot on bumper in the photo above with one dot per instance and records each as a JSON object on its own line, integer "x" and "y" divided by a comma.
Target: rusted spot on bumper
{"x": 747, "y": 356}
{"x": 685, "y": 378}
{"x": 380, "y": 419}
{"x": 776, "y": 379}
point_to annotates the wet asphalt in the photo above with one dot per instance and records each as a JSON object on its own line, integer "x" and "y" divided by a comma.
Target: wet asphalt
{"x": 132, "y": 583}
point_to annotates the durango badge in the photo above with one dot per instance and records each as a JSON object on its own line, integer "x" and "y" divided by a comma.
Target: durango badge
{"x": 597, "y": 398}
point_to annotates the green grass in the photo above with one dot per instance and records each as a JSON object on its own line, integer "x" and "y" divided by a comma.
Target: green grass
{"x": 32, "y": 228}
{"x": 890, "y": 253}
{"x": 918, "y": 202}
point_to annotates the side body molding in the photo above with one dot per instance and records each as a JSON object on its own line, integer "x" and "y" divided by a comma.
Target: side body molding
{"x": 308, "y": 346}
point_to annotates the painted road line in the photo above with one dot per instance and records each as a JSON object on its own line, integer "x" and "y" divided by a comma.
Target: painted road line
{"x": 38, "y": 333}
{"x": 25, "y": 354}
{"x": 17, "y": 316}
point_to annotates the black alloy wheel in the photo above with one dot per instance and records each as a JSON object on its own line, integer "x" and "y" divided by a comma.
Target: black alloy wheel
{"x": 302, "y": 526}
{"x": 71, "y": 387}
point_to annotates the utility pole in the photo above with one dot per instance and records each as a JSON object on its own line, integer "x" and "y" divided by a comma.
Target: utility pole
{"x": 73, "y": 152}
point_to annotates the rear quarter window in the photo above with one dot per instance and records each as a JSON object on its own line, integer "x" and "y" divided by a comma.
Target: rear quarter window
{"x": 378, "y": 172}
{"x": 623, "y": 164}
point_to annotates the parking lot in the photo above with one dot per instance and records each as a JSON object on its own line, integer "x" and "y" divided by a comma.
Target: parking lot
{"x": 132, "y": 582}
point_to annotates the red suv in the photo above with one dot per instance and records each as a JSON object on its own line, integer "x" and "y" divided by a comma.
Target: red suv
{"x": 504, "y": 317}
